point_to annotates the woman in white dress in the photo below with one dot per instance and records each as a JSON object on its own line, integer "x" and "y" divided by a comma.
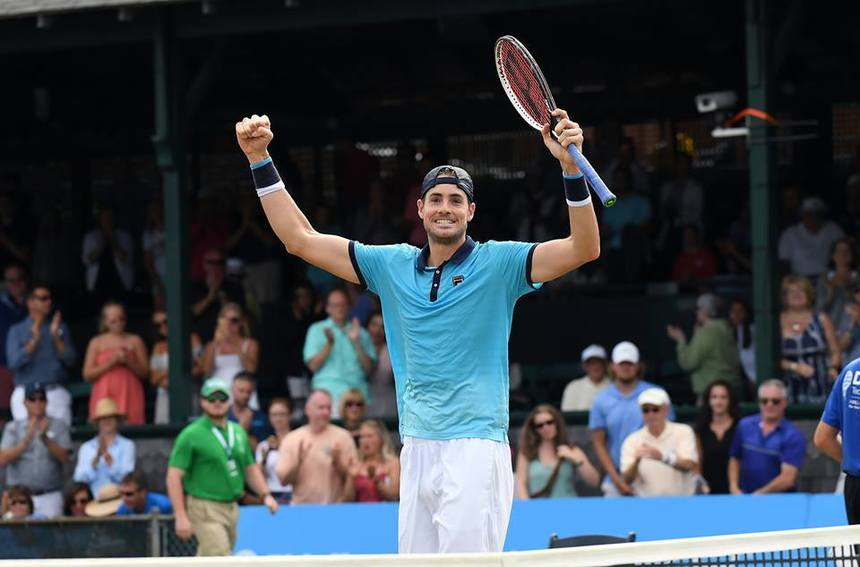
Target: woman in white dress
{"x": 159, "y": 363}
{"x": 232, "y": 350}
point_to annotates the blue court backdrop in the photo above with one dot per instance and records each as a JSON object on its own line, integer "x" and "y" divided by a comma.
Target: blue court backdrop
{"x": 372, "y": 528}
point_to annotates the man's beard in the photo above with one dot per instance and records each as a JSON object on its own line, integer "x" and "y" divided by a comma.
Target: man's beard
{"x": 216, "y": 415}
{"x": 446, "y": 240}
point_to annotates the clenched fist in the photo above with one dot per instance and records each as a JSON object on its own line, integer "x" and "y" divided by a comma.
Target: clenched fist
{"x": 254, "y": 135}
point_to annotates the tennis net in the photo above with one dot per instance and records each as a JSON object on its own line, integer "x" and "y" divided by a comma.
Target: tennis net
{"x": 831, "y": 547}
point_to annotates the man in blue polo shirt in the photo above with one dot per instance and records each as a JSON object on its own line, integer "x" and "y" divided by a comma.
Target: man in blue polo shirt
{"x": 767, "y": 450}
{"x": 447, "y": 312}
{"x": 137, "y": 499}
{"x": 842, "y": 415}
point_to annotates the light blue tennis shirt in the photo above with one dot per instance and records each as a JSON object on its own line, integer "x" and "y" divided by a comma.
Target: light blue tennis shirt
{"x": 447, "y": 329}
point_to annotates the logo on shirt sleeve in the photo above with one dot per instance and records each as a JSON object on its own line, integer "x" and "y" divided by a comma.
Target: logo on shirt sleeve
{"x": 847, "y": 379}
{"x": 457, "y": 280}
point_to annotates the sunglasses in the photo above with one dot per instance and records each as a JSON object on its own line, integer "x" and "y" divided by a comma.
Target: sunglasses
{"x": 542, "y": 424}
{"x": 773, "y": 401}
{"x": 650, "y": 409}
{"x": 354, "y": 404}
{"x": 37, "y": 398}
{"x": 217, "y": 398}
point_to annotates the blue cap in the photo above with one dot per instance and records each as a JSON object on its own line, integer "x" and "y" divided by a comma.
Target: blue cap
{"x": 34, "y": 388}
{"x": 449, "y": 174}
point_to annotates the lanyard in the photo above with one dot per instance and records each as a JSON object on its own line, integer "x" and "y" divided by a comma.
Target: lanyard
{"x": 228, "y": 443}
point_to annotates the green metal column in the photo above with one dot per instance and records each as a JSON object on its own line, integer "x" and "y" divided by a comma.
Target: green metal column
{"x": 169, "y": 142}
{"x": 762, "y": 195}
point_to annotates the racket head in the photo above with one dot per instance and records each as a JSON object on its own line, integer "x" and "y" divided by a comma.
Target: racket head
{"x": 523, "y": 82}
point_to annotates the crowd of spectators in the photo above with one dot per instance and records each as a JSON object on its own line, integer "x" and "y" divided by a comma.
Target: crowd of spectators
{"x": 324, "y": 343}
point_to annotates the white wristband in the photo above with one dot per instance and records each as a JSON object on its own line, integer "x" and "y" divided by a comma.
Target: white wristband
{"x": 577, "y": 204}
{"x": 263, "y": 191}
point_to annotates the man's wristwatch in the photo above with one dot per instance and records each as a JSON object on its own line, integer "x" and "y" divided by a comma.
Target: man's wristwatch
{"x": 670, "y": 459}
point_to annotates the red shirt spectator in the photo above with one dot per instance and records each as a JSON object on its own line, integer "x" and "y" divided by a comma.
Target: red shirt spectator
{"x": 695, "y": 262}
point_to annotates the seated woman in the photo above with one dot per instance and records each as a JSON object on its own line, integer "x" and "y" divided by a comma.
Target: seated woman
{"x": 715, "y": 428}
{"x": 18, "y": 504}
{"x": 547, "y": 465}
{"x": 376, "y": 473}
{"x": 353, "y": 409}
{"x": 77, "y": 496}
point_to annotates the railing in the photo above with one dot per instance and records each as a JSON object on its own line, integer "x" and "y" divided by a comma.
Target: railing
{"x": 122, "y": 536}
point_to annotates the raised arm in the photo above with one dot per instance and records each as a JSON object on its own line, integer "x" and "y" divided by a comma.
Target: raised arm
{"x": 554, "y": 258}
{"x": 325, "y": 251}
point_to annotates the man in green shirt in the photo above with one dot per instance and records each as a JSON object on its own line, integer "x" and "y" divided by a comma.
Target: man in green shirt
{"x": 712, "y": 353}
{"x": 206, "y": 474}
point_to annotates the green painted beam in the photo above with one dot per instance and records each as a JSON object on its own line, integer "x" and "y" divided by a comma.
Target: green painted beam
{"x": 102, "y": 27}
{"x": 169, "y": 143}
{"x": 762, "y": 195}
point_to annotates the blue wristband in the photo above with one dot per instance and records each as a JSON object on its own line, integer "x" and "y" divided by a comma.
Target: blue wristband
{"x": 576, "y": 190}
{"x": 266, "y": 177}
{"x": 261, "y": 163}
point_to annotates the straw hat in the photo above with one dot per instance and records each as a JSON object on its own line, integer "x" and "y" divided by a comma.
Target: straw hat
{"x": 106, "y": 407}
{"x": 107, "y": 502}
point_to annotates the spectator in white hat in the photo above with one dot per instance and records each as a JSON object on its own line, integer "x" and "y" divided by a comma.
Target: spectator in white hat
{"x": 660, "y": 458}
{"x": 805, "y": 247}
{"x": 579, "y": 394}
{"x": 615, "y": 414}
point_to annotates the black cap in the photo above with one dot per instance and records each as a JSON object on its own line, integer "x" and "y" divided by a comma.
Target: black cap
{"x": 34, "y": 388}
{"x": 449, "y": 174}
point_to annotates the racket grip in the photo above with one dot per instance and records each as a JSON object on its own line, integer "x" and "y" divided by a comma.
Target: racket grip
{"x": 604, "y": 194}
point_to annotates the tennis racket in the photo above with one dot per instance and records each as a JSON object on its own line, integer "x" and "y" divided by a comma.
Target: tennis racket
{"x": 527, "y": 88}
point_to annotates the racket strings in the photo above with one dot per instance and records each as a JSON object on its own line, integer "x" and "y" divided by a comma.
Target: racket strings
{"x": 524, "y": 84}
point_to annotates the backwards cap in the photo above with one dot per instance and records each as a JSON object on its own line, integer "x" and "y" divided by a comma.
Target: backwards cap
{"x": 452, "y": 174}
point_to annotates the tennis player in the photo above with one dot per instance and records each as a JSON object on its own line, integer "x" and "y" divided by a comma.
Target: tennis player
{"x": 447, "y": 310}
{"x": 842, "y": 416}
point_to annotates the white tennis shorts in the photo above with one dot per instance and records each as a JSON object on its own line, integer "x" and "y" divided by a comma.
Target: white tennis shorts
{"x": 455, "y": 495}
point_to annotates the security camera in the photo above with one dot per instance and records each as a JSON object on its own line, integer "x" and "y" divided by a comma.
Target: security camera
{"x": 721, "y": 100}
